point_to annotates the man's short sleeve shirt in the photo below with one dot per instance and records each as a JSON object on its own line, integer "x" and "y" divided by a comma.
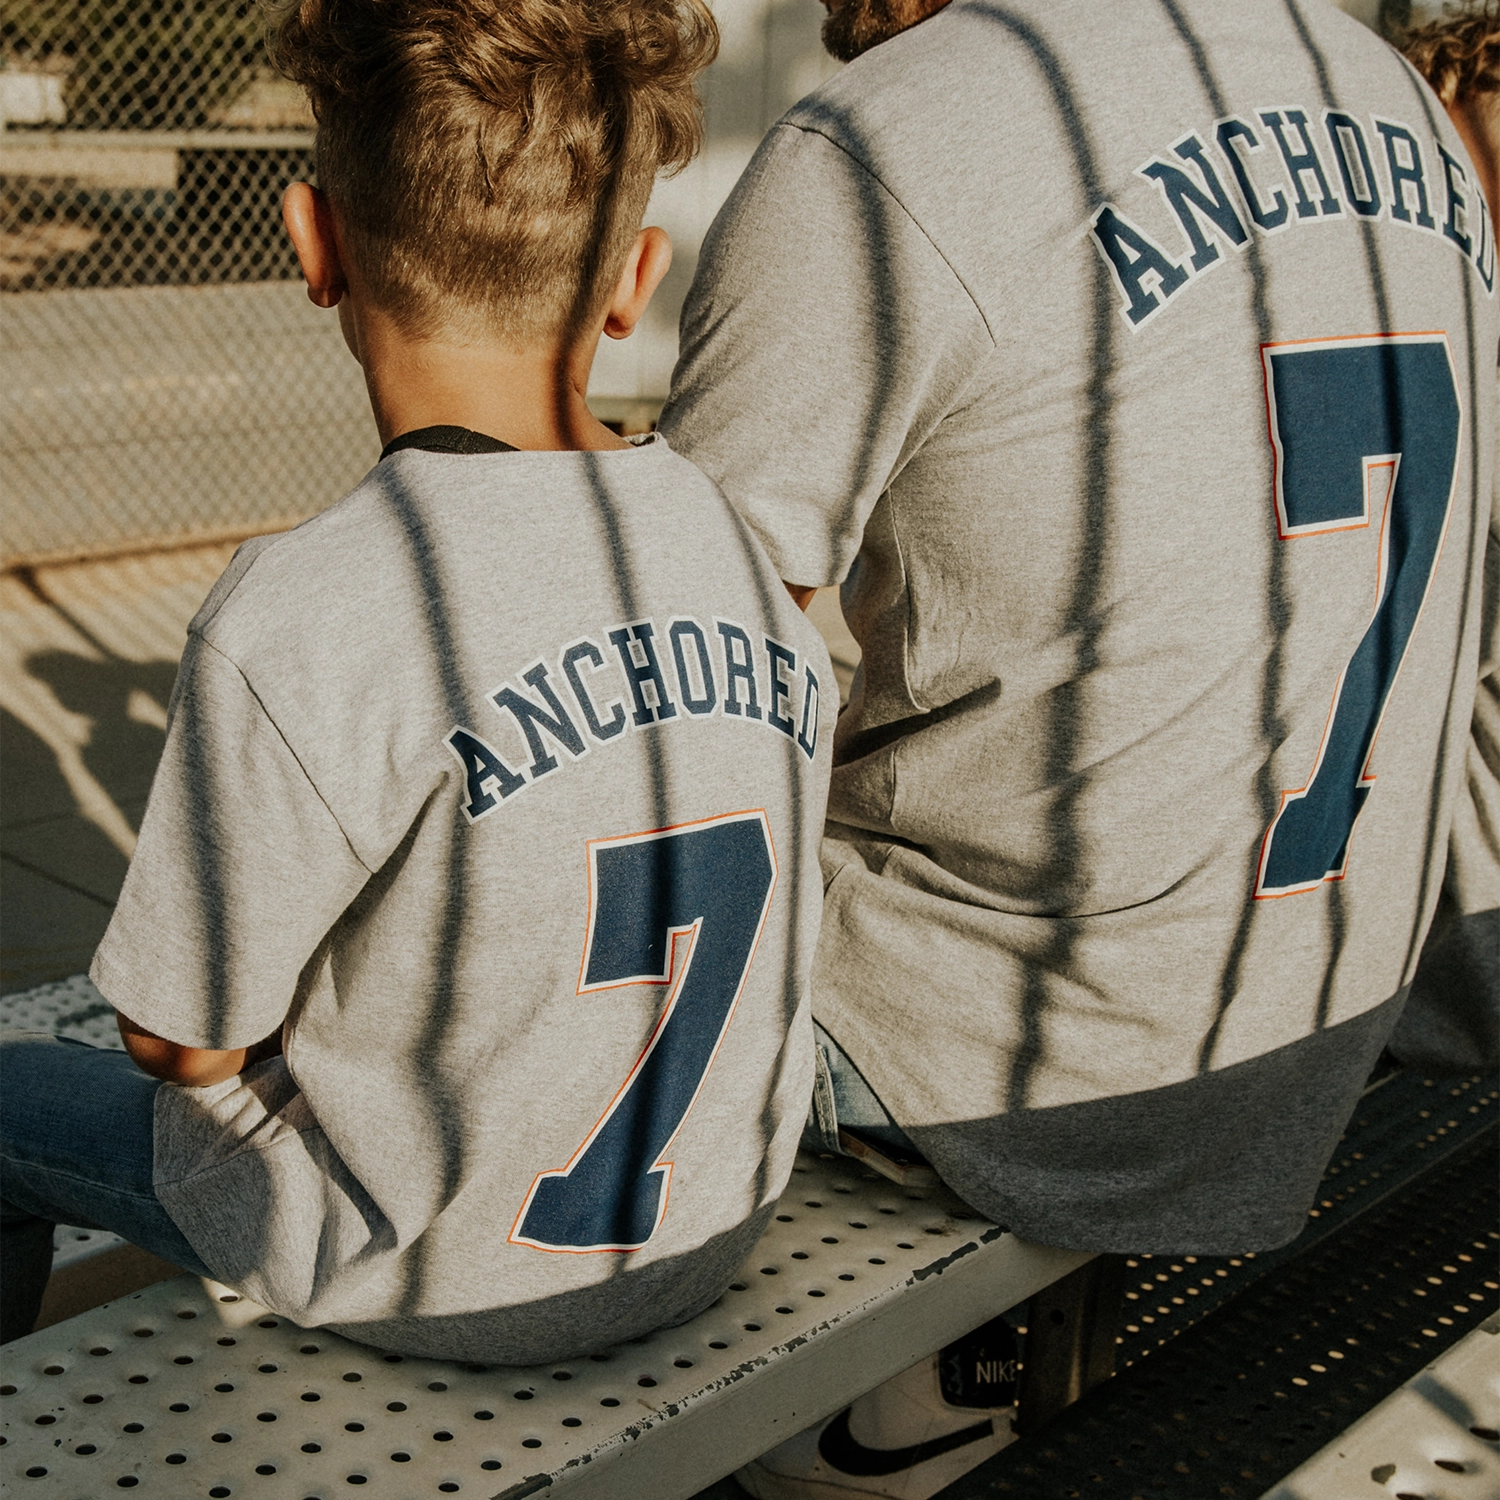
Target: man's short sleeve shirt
{"x": 1087, "y": 339}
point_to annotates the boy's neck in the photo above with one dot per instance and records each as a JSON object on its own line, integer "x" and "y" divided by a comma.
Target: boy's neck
{"x": 530, "y": 398}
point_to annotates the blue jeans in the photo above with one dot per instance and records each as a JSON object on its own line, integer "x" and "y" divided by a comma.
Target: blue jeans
{"x": 76, "y": 1127}
{"x": 841, "y": 1097}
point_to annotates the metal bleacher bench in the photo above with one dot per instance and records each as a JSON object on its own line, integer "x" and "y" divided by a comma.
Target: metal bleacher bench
{"x": 1236, "y": 1370}
{"x": 187, "y": 1389}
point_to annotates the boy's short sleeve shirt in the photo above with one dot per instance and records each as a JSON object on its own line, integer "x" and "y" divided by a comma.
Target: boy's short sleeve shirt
{"x": 233, "y": 829}
{"x": 473, "y": 780}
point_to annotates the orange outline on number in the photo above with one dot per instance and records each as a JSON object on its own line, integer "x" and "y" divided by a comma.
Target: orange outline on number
{"x": 1366, "y": 776}
{"x": 675, "y": 977}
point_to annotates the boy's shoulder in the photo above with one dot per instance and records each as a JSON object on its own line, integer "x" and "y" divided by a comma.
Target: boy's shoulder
{"x": 419, "y": 517}
{"x": 278, "y": 590}
{"x": 283, "y": 574}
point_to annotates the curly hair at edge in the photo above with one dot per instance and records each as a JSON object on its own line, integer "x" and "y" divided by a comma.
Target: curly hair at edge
{"x": 1458, "y": 54}
{"x": 489, "y": 161}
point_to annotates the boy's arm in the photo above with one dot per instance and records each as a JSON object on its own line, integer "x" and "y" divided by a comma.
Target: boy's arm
{"x": 240, "y": 873}
{"x": 194, "y": 1067}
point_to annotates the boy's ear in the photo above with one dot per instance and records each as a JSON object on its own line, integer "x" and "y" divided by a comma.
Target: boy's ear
{"x": 309, "y": 221}
{"x": 647, "y": 263}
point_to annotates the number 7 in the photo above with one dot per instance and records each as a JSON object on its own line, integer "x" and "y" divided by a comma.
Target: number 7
{"x": 1344, "y": 413}
{"x": 681, "y": 907}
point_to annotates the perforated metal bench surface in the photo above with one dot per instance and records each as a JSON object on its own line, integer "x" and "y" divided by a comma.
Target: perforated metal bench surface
{"x": 67, "y": 1007}
{"x": 186, "y": 1389}
{"x": 1439, "y": 1434}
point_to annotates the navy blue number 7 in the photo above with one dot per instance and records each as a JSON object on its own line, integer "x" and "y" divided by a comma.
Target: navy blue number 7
{"x": 681, "y": 907}
{"x": 1352, "y": 418}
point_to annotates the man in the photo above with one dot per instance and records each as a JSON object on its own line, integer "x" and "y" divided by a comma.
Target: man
{"x": 1130, "y": 367}
{"x": 1452, "y": 1018}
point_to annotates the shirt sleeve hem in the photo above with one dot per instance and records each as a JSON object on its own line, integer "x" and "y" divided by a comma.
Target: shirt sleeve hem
{"x": 136, "y": 1004}
{"x": 824, "y": 579}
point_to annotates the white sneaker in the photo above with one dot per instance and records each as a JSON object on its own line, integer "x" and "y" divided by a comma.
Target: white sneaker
{"x": 908, "y": 1438}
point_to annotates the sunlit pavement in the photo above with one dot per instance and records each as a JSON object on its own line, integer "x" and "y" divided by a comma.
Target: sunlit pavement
{"x": 88, "y": 654}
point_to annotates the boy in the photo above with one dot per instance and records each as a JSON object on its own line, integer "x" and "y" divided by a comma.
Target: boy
{"x": 491, "y": 797}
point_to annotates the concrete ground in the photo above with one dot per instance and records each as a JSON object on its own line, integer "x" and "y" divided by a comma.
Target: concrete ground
{"x": 88, "y": 654}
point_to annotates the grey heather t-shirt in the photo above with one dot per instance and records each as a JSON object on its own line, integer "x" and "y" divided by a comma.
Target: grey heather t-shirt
{"x": 1082, "y": 345}
{"x": 1451, "y": 1022}
{"x": 499, "y": 787}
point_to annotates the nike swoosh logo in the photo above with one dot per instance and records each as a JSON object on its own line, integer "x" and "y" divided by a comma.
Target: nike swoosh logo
{"x": 841, "y": 1450}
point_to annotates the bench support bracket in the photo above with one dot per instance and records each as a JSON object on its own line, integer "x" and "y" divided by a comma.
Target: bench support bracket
{"x": 1070, "y": 1340}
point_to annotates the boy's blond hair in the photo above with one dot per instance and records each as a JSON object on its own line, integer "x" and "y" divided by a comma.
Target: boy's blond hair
{"x": 1459, "y": 55}
{"x": 489, "y": 161}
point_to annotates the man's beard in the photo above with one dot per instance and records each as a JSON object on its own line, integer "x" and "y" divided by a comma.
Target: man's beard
{"x": 858, "y": 25}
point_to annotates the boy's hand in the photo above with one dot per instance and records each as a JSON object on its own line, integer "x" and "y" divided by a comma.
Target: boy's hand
{"x": 193, "y": 1067}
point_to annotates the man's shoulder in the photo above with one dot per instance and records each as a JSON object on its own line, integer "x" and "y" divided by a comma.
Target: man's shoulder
{"x": 901, "y": 88}
{"x": 1061, "y": 64}
{"x": 862, "y": 103}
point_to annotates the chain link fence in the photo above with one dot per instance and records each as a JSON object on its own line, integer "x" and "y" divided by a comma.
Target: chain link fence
{"x": 163, "y": 374}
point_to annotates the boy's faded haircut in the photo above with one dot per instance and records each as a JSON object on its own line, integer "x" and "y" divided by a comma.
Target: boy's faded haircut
{"x": 1459, "y": 54}
{"x": 489, "y": 161}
